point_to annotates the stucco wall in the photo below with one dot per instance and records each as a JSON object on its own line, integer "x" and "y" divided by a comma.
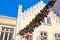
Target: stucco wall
{"x": 6, "y": 20}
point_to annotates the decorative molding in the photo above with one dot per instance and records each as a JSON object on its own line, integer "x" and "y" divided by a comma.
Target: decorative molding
{"x": 8, "y": 24}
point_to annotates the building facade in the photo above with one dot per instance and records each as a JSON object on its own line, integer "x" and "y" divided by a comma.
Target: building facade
{"x": 7, "y": 28}
{"x": 49, "y": 29}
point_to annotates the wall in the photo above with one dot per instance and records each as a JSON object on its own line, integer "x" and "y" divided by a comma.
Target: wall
{"x": 7, "y": 20}
{"x": 50, "y": 29}
{"x": 25, "y": 17}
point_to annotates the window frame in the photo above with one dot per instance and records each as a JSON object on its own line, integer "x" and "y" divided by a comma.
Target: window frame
{"x": 43, "y": 33}
{"x": 48, "y": 21}
{"x": 39, "y": 36}
{"x": 57, "y": 36}
{"x": 8, "y": 29}
{"x": 45, "y": 21}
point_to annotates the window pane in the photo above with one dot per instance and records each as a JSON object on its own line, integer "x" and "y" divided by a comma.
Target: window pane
{"x": 57, "y": 36}
{"x": 41, "y": 33}
{"x": 58, "y": 39}
{"x": 45, "y": 34}
{"x": 11, "y": 29}
{"x": 3, "y": 28}
{"x": 48, "y": 20}
{"x": 1, "y": 37}
{"x": 44, "y": 20}
{"x": 6, "y": 34}
{"x": 11, "y": 36}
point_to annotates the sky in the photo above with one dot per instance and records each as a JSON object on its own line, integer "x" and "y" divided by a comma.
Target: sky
{"x": 10, "y": 7}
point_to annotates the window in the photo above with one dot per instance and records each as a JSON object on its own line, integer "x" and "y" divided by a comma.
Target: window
{"x": 44, "y": 21}
{"x": 48, "y": 20}
{"x": 6, "y": 33}
{"x": 57, "y": 36}
{"x": 43, "y": 36}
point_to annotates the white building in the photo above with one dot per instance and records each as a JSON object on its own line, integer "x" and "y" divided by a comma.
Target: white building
{"x": 49, "y": 29}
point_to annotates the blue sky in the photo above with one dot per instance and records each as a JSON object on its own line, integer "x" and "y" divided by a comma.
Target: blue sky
{"x": 10, "y": 7}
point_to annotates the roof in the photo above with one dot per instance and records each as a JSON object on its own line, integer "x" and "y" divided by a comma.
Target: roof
{"x": 56, "y": 7}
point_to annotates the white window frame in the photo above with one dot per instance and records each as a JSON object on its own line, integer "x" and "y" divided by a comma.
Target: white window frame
{"x": 45, "y": 21}
{"x": 7, "y": 31}
{"x": 57, "y": 36}
{"x": 43, "y": 34}
{"x": 38, "y": 37}
{"x": 49, "y": 20}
